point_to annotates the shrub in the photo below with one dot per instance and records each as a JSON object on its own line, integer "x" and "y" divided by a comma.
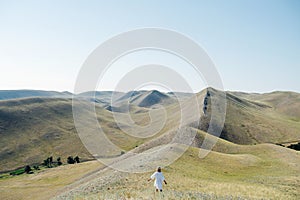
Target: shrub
{"x": 59, "y": 161}
{"x": 27, "y": 169}
{"x": 36, "y": 167}
{"x": 48, "y": 162}
{"x": 295, "y": 146}
{"x": 76, "y": 159}
{"x": 70, "y": 160}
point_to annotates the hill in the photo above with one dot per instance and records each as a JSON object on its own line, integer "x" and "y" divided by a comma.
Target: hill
{"x": 104, "y": 97}
{"x": 33, "y": 129}
{"x": 286, "y": 103}
{"x": 260, "y": 118}
{"x": 15, "y": 94}
{"x": 151, "y": 98}
{"x": 263, "y": 171}
{"x": 230, "y": 171}
{"x": 243, "y": 163}
{"x": 36, "y": 128}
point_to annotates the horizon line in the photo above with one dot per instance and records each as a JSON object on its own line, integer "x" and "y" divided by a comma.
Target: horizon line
{"x": 107, "y": 90}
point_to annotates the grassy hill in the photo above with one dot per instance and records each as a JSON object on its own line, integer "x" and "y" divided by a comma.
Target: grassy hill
{"x": 15, "y": 94}
{"x": 232, "y": 171}
{"x": 44, "y": 184}
{"x": 32, "y": 129}
{"x": 244, "y": 163}
{"x": 151, "y": 98}
{"x": 261, "y": 118}
{"x": 285, "y": 103}
{"x": 36, "y": 128}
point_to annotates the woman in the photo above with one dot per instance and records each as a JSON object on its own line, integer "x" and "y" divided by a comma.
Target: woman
{"x": 159, "y": 179}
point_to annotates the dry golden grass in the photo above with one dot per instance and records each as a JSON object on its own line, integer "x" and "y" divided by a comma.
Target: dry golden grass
{"x": 253, "y": 172}
{"x": 45, "y": 183}
{"x": 33, "y": 129}
{"x": 262, "y": 171}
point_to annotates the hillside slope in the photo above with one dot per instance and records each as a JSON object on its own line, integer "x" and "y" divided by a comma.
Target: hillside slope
{"x": 15, "y": 94}
{"x": 260, "y": 118}
{"x": 263, "y": 171}
{"x": 151, "y": 98}
{"x": 286, "y": 103}
{"x": 32, "y": 129}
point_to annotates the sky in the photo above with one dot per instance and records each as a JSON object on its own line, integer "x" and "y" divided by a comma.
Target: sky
{"x": 255, "y": 45}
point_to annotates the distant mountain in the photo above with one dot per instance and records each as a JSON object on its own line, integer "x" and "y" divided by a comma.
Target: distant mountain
{"x": 15, "y": 94}
{"x": 129, "y": 96}
{"x": 103, "y": 96}
{"x": 180, "y": 95}
{"x": 151, "y": 98}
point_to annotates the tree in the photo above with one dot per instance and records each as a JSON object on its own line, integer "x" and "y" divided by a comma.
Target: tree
{"x": 76, "y": 159}
{"x": 295, "y": 146}
{"x": 208, "y": 94}
{"x": 36, "y": 167}
{"x": 27, "y": 169}
{"x": 70, "y": 160}
{"x": 59, "y": 161}
{"x": 46, "y": 162}
{"x": 50, "y": 160}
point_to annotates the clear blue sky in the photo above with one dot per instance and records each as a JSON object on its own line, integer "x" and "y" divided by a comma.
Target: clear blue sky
{"x": 254, "y": 44}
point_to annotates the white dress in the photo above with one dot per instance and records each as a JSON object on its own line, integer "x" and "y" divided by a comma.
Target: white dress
{"x": 159, "y": 178}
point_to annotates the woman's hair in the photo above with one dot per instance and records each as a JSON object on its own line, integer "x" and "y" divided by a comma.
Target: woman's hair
{"x": 159, "y": 169}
